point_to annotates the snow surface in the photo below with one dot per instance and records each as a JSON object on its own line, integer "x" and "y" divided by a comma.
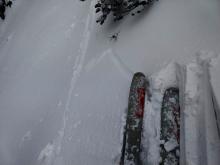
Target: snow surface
{"x": 64, "y": 84}
{"x": 202, "y": 136}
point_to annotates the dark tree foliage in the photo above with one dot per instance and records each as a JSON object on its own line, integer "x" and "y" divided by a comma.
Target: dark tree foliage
{"x": 119, "y": 8}
{"x": 3, "y": 5}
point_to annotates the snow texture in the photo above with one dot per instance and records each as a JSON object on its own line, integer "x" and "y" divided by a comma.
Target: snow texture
{"x": 159, "y": 82}
{"x": 200, "y": 138}
{"x": 201, "y": 129}
{"x": 64, "y": 84}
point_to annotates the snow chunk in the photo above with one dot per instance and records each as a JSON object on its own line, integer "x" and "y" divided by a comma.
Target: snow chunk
{"x": 166, "y": 77}
{"x": 171, "y": 145}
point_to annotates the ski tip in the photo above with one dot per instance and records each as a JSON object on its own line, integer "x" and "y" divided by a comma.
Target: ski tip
{"x": 139, "y": 74}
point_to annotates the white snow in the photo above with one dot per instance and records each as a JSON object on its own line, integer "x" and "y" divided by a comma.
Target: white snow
{"x": 170, "y": 145}
{"x": 201, "y": 132}
{"x": 64, "y": 84}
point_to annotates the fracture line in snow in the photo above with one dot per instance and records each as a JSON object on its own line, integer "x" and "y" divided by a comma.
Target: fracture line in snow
{"x": 49, "y": 157}
{"x": 120, "y": 64}
{"x": 94, "y": 62}
{"x": 115, "y": 59}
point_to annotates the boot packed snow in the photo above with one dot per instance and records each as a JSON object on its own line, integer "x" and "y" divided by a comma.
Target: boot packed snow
{"x": 170, "y": 124}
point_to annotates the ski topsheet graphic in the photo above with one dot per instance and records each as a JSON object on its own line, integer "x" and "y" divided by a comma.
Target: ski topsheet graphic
{"x": 170, "y": 128}
{"x": 132, "y": 135}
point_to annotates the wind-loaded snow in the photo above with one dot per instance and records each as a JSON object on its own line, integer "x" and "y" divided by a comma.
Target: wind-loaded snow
{"x": 64, "y": 84}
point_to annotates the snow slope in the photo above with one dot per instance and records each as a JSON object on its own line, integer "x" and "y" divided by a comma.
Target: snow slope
{"x": 64, "y": 84}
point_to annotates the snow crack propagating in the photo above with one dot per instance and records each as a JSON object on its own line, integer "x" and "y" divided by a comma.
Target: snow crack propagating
{"x": 50, "y": 154}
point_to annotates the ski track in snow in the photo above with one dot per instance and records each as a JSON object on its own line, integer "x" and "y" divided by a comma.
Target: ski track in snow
{"x": 49, "y": 154}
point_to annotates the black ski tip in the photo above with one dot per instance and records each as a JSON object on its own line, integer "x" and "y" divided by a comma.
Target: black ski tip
{"x": 137, "y": 74}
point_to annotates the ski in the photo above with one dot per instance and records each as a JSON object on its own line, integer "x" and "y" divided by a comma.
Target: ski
{"x": 132, "y": 135}
{"x": 170, "y": 128}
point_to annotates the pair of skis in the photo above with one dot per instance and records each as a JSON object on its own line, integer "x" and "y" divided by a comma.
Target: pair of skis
{"x": 170, "y": 124}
